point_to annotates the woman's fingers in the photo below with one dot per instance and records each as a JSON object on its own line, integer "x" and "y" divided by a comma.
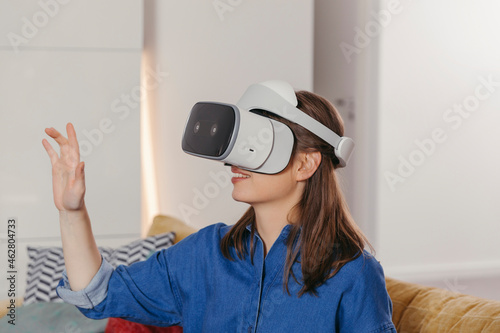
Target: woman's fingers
{"x": 68, "y": 178}
{"x": 73, "y": 142}
{"x": 69, "y": 147}
{"x": 54, "y": 134}
{"x": 52, "y": 153}
{"x": 79, "y": 173}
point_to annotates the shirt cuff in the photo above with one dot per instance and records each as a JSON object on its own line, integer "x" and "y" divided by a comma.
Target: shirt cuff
{"x": 95, "y": 292}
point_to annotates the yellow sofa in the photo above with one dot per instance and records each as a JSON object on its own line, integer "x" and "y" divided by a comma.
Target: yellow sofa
{"x": 417, "y": 308}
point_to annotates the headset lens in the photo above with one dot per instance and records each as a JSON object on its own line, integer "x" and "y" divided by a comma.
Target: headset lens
{"x": 209, "y": 129}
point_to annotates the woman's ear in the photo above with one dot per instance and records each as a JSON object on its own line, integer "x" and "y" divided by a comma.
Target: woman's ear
{"x": 308, "y": 164}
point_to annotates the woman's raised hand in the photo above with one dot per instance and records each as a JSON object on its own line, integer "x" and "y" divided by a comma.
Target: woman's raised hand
{"x": 81, "y": 255}
{"x": 68, "y": 179}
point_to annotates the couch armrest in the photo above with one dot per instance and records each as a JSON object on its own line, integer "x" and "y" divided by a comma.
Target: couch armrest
{"x": 418, "y": 308}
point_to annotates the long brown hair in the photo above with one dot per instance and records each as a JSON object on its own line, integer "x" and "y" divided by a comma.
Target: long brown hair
{"x": 324, "y": 232}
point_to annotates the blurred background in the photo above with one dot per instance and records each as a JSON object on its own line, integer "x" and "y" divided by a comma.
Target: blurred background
{"x": 417, "y": 83}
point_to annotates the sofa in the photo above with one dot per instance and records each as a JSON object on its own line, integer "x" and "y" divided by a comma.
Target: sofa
{"x": 416, "y": 308}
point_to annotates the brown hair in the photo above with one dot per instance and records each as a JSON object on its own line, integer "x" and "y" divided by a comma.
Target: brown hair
{"x": 324, "y": 232}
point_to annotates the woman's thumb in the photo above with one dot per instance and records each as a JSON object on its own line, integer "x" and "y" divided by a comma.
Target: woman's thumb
{"x": 80, "y": 171}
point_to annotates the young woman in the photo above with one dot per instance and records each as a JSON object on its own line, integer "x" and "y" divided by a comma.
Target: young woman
{"x": 294, "y": 262}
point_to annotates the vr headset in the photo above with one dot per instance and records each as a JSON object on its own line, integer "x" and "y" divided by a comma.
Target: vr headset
{"x": 242, "y": 136}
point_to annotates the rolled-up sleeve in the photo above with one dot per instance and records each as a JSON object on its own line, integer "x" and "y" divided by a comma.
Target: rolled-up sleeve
{"x": 142, "y": 292}
{"x": 93, "y": 294}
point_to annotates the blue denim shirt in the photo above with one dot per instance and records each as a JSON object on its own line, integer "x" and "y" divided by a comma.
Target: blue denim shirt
{"x": 193, "y": 285}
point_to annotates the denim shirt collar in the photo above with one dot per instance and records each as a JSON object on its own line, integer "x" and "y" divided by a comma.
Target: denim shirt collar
{"x": 283, "y": 234}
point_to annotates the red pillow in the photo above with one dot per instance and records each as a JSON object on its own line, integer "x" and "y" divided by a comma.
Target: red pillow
{"x": 118, "y": 325}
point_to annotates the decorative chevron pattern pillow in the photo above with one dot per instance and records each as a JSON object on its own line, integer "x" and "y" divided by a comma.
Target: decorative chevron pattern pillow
{"x": 46, "y": 264}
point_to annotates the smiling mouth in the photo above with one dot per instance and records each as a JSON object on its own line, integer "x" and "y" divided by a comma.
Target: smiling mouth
{"x": 237, "y": 173}
{"x": 240, "y": 175}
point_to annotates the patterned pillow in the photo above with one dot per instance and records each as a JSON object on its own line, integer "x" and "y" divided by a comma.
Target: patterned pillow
{"x": 45, "y": 265}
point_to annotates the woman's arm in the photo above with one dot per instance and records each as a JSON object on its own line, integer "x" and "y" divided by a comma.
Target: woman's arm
{"x": 81, "y": 256}
{"x": 142, "y": 292}
{"x": 365, "y": 305}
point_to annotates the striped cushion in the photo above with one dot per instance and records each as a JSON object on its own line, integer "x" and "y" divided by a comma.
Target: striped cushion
{"x": 46, "y": 264}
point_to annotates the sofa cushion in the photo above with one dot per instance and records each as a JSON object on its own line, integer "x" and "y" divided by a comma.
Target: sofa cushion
{"x": 51, "y": 317}
{"x": 165, "y": 223}
{"x": 417, "y": 308}
{"x": 46, "y": 264}
{"x": 117, "y": 325}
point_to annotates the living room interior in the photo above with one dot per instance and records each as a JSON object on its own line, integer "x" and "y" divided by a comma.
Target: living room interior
{"x": 417, "y": 84}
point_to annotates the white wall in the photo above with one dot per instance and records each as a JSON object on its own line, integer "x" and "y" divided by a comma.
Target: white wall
{"x": 212, "y": 57}
{"x": 438, "y": 223}
{"x": 440, "y": 218}
{"x": 63, "y": 61}
{"x": 340, "y": 79}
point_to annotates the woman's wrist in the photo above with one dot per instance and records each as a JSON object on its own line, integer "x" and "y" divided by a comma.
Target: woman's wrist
{"x": 73, "y": 214}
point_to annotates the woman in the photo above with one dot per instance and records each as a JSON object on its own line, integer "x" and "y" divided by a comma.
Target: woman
{"x": 294, "y": 262}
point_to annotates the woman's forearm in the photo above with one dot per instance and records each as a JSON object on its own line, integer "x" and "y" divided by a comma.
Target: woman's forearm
{"x": 81, "y": 256}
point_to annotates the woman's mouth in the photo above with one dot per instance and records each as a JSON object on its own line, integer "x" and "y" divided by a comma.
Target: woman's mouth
{"x": 238, "y": 176}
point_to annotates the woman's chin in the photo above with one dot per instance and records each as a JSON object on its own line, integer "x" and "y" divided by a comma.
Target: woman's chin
{"x": 240, "y": 197}
{"x": 237, "y": 198}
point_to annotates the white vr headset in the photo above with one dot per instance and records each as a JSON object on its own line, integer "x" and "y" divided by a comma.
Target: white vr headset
{"x": 240, "y": 135}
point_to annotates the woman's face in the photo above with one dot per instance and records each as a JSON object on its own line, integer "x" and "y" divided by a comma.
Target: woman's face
{"x": 255, "y": 188}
